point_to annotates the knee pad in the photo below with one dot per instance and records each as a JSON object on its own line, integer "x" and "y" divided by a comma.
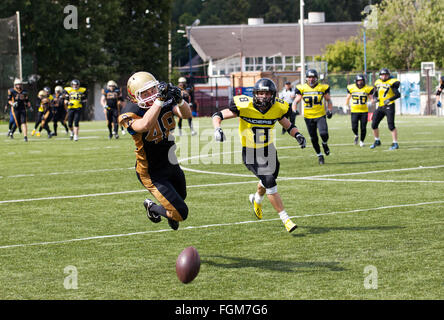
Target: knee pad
{"x": 272, "y": 190}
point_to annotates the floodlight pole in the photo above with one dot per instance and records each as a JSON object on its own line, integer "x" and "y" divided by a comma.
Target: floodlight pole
{"x": 302, "y": 53}
{"x": 19, "y": 45}
{"x": 195, "y": 23}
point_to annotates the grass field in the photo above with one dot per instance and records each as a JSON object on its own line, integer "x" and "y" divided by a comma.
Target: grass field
{"x": 371, "y": 222}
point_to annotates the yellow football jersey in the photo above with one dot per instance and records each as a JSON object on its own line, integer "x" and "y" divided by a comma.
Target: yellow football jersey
{"x": 75, "y": 97}
{"x": 313, "y": 99}
{"x": 384, "y": 89}
{"x": 359, "y": 97}
{"x": 255, "y": 127}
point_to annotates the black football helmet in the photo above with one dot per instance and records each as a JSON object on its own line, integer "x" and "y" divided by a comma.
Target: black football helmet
{"x": 360, "y": 77}
{"x": 312, "y": 73}
{"x": 264, "y": 84}
{"x": 75, "y": 84}
{"x": 384, "y": 71}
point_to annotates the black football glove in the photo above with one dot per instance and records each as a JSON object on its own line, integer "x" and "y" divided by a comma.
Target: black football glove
{"x": 219, "y": 135}
{"x": 162, "y": 88}
{"x": 301, "y": 140}
{"x": 175, "y": 93}
{"x": 329, "y": 114}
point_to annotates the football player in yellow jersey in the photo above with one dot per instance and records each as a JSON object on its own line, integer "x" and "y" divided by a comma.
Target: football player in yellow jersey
{"x": 76, "y": 97}
{"x": 44, "y": 113}
{"x": 359, "y": 93}
{"x": 257, "y": 118}
{"x": 314, "y": 95}
{"x": 386, "y": 92}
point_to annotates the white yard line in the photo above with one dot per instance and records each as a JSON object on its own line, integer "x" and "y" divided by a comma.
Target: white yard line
{"x": 216, "y": 225}
{"x": 313, "y": 178}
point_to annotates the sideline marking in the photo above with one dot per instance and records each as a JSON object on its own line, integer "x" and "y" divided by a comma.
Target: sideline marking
{"x": 216, "y": 225}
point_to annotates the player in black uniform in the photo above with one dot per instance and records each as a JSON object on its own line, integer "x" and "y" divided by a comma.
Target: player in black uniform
{"x": 438, "y": 92}
{"x": 59, "y": 109}
{"x": 18, "y": 100}
{"x": 187, "y": 97}
{"x": 149, "y": 118}
{"x": 111, "y": 102}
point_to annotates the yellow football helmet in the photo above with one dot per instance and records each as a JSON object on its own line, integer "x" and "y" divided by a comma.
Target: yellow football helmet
{"x": 139, "y": 83}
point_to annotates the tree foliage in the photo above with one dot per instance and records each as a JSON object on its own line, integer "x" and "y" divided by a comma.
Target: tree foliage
{"x": 121, "y": 37}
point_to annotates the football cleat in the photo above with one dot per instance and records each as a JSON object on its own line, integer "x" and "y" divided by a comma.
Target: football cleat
{"x": 173, "y": 224}
{"x": 257, "y": 208}
{"x": 321, "y": 159}
{"x": 193, "y": 133}
{"x": 394, "y": 146}
{"x": 26, "y": 138}
{"x": 375, "y": 144}
{"x": 116, "y": 135}
{"x": 361, "y": 144}
{"x": 76, "y": 138}
{"x": 356, "y": 140}
{"x": 290, "y": 226}
{"x": 110, "y": 136}
{"x": 37, "y": 134}
{"x": 33, "y": 132}
{"x": 326, "y": 148}
{"x": 151, "y": 215}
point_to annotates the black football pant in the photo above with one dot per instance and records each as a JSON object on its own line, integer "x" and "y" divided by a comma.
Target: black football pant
{"x": 168, "y": 186}
{"x": 313, "y": 126}
{"x": 264, "y": 164}
{"x": 359, "y": 119}
{"x": 380, "y": 113}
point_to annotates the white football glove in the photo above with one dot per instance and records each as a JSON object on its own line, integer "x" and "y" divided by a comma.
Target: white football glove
{"x": 219, "y": 135}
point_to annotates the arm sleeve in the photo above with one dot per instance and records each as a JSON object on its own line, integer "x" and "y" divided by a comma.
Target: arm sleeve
{"x": 395, "y": 88}
{"x": 233, "y": 108}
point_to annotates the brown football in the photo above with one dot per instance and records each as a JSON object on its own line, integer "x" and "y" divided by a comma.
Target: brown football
{"x": 188, "y": 264}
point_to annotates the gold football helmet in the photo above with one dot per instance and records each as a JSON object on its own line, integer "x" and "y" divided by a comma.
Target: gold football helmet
{"x": 58, "y": 89}
{"x": 42, "y": 94}
{"x": 111, "y": 83}
{"x": 139, "y": 83}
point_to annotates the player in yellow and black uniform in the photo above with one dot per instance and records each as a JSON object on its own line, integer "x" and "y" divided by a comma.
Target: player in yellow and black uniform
{"x": 257, "y": 118}
{"x": 44, "y": 112}
{"x": 359, "y": 93}
{"x": 149, "y": 119}
{"x": 314, "y": 96}
{"x": 386, "y": 92}
{"x": 75, "y": 98}
{"x": 439, "y": 91}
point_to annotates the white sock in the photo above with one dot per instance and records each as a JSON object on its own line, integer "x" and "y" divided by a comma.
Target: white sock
{"x": 284, "y": 216}
{"x": 258, "y": 198}
{"x": 376, "y": 139}
{"x": 395, "y": 141}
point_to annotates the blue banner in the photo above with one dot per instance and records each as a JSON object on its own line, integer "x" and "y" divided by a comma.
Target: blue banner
{"x": 410, "y": 93}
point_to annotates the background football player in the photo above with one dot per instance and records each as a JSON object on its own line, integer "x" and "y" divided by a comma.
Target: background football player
{"x": 19, "y": 101}
{"x": 315, "y": 95}
{"x": 359, "y": 93}
{"x": 59, "y": 109}
{"x": 44, "y": 112}
{"x": 76, "y": 97}
{"x": 257, "y": 118}
{"x": 182, "y": 84}
{"x": 111, "y": 103}
{"x": 439, "y": 91}
{"x": 149, "y": 118}
{"x": 386, "y": 92}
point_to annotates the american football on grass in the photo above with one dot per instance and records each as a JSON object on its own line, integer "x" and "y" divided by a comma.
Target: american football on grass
{"x": 188, "y": 264}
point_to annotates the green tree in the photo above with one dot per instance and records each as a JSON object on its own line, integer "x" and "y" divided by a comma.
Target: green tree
{"x": 408, "y": 32}
{"x": 344, "y": 55}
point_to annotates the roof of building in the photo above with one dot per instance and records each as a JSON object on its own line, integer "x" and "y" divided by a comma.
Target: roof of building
{"x": 221, "y": 41}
